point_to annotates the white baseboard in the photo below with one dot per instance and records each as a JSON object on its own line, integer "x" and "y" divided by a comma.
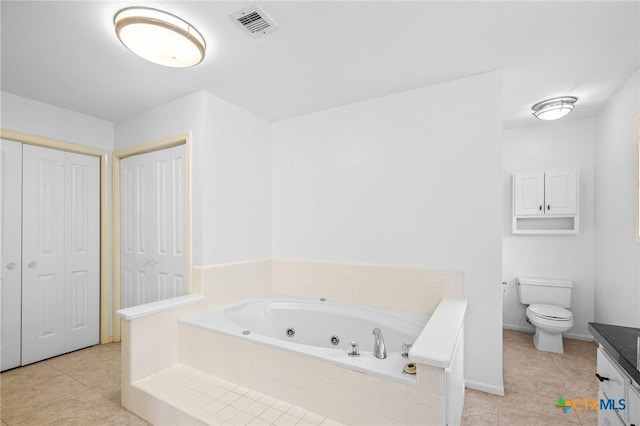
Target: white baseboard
{"x": 483, "y": 387}
{"x": 528, "y": 329}
{"x": 525, "y": 328}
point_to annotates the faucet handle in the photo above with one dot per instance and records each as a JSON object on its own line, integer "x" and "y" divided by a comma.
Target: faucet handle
{"x": 406, "y": 347}
{"x": 353, "y": 349}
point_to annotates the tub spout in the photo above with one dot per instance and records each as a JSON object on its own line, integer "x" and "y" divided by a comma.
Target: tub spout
{"x": 379, "y": 350}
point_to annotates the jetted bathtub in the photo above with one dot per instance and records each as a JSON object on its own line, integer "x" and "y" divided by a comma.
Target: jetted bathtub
{"x": 320, "y": 329}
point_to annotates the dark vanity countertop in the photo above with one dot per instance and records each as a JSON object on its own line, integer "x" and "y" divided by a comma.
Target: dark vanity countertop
{"x": 621, "y": 343}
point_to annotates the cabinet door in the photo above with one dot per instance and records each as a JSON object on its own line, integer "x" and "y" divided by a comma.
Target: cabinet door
{"x": 560, "y": 187}
{"x": 633, "y": 405}
{"x": 528, "y": 193}
{"x": 608, "y": 417}
{"x": 10, "y": 252}
{"x": 614, "y": 382}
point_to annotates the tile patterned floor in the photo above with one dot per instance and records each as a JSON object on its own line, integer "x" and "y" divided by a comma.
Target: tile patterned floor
{"x": 533, "y": 381}
{"x": 80, "y": 388}
{"x": 83, "y": 388}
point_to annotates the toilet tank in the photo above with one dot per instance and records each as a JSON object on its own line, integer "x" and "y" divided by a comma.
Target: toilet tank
{"x": 544, "y": 290}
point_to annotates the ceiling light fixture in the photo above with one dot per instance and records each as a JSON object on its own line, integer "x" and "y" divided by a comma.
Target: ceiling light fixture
{"x": 553, "y": 109}
{"x": 159, "y": 37}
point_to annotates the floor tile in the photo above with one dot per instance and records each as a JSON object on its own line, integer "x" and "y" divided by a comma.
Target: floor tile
{"x": 514, "y": 416}
{"x": 533, "y": 380}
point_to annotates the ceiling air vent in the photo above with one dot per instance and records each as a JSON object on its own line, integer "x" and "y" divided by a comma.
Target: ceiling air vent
{"x": 254, "y": 21}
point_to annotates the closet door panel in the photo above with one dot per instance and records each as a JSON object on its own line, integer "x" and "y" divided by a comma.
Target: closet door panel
{"x": 145, "y": 223}
{"x": 10, "y": 252}
{"x": 153, "y": 226}
{"x": 127, "y": 233}
{"x": 82, "y": 251}
{"x": 43, "y": 253}
{"x": 137, "y": 212}
{"x": 170, "y": 252}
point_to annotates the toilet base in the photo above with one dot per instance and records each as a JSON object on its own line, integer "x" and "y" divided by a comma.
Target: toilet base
{"x": 548, "y": 342}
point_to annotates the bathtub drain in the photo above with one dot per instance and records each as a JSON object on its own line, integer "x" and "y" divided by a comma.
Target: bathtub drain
{"x": 291, "y": 332}
{"x": 335, "y": 340}
{"x": 246, "y": 332}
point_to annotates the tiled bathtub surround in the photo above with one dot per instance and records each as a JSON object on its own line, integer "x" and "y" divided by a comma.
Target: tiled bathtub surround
{"x": 384, "y": 286}
{"x": 150, "y": 344}
{"x": 150, "y": 341}
{"x": 330, "y": 391}
{"x": 230, "y": 283}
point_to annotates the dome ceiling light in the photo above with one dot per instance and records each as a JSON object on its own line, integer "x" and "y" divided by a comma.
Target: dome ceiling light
{"x": 555, "y": 108}
{"x": 159, "y": 37}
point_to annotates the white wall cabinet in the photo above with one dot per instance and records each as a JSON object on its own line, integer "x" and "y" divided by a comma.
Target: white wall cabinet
{"x": 50, "y": 252}
{"x": 545, "y": 202}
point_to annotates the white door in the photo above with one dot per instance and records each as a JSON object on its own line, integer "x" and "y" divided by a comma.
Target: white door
{"x": 560, "y": 192}
{"x": 60, "y": 252}
{"x": 528, "y": 193}
{"x": 82, "y": 252}
{"x": 153, "y": 226}
{"x": 10, "y": 252}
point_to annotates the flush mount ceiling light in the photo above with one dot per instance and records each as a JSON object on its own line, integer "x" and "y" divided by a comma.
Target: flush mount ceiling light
{"x": 555, "y": 108}
{"x": 159, "y": 37}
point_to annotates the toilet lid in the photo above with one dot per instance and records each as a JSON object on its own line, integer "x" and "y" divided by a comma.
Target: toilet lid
{"x": 552, "y": 312}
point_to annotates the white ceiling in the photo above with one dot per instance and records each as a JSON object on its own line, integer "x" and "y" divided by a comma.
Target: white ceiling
{"x": 325, "y": 54}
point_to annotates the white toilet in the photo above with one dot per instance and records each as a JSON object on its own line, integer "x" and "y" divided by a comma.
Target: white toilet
{"x": 547, "y": 300}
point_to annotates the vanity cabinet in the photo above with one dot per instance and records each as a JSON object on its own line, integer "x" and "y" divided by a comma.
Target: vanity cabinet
{"x": 616, "y": 385}
{"x": 613, "y": 385}
{"x": 545, "y": 202}
{"x": 633, "y": 404}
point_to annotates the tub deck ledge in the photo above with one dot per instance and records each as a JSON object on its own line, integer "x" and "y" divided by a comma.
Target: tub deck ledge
{"x": 153, "y": 308}
{"x": 436, "y": 345}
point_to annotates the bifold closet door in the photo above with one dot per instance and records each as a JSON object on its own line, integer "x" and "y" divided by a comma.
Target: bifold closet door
{"x": 60, "y": 252}
{"x": 153, "y": 227}
{"x": 11, "y": 252}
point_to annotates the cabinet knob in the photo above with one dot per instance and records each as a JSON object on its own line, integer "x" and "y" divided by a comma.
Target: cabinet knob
{"x": 11, "y": 265}
{"x": 540, "y": 207}
{"x": 602, "y": 379}
{"x": 548, "y": 207}
{"x": 32, "y": 265}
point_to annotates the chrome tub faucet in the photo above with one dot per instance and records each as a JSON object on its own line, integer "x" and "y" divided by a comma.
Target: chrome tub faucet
{"x": 379, "y": 350}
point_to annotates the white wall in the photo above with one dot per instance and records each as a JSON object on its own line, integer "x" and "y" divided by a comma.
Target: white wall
{"x": 617, "y": 280}
{"x": 37, "y": 118}
{"x": 551, "y": 145}
{"x": 231, "y": 173}
{"x": 411, "y": 179}
{"x": 172, "y": 118}
{"x": 236, "y": 187}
